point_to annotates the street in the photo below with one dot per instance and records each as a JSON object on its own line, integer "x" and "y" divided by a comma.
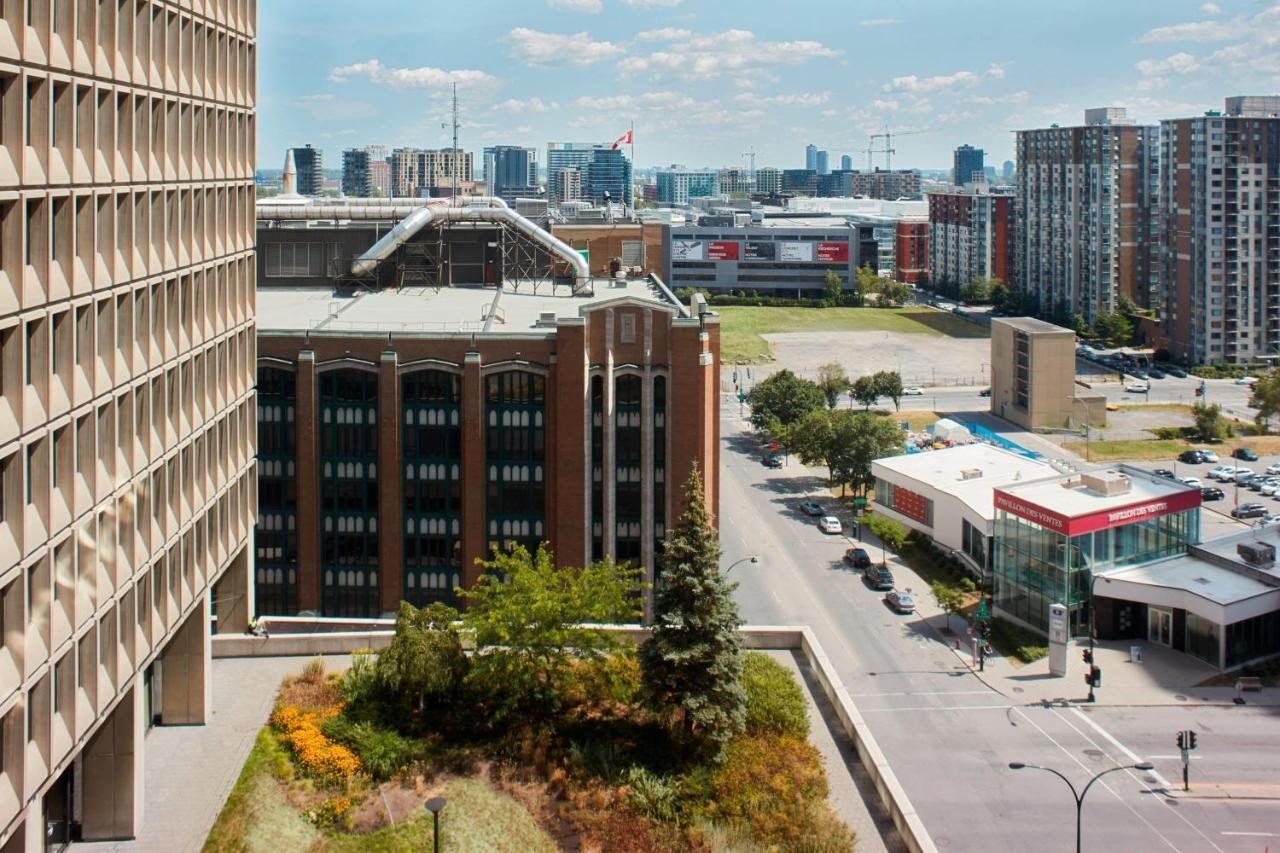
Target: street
{"x": 948, "y": 736}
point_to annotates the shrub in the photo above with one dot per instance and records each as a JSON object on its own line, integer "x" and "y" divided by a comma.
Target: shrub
{"x": 360, "y": 684}
{"x": 615, "y": 678}
{"x": 772, "y": 785}
{"x": 313, "y": 672}
{"x": 319, "y": 756}
{"x": 1011, "y": 639}
{"x": 889, "y": 531}
{"x": 775, "y": 702}
{"x": 383, "y": 752}
{"x": 652, "y": 796}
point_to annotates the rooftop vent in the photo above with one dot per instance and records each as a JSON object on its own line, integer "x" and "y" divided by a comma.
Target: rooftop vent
{"x": 1257, "y": 553}
{"x": 547, "y": 318}
{"x": 971, "y": 474}
{"x": 1107, "y": 482}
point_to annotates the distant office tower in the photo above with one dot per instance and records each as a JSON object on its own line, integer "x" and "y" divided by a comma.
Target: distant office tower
{"x": 891, "y": 185}
{"x": 127, "y": 408}
{"x": 377, "y": 152}
{"x": 1086, "y": 214}
{"x": 734, "y": 181}
{"x": 567, "y": 183}
{"x": 310, "y": 164}
{"x": 971, "y": 235}
{"x": 1219, "y": 242}
{"x": 1007, "y": 171}
{"x": 608, "y": 177}
{"x": 416, "y": 171}
{"x": 380, "y": 177}
{"x": 823, "y": 163}
{"x": 968, "y": 165}
{"x": 800, "y": 181}
{"x": 846, "y": 163}
{"x": 768, "y": 180}
{"x": 677, "y": 184}
{"x": 569, "y": 155}
{"x": 511, "y": 172}
{"x": 356, "y": 178}
{"x": 811, "y": 158}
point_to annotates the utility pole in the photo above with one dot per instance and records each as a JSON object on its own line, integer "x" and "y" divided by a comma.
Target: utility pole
{"x": 457, "y": 165}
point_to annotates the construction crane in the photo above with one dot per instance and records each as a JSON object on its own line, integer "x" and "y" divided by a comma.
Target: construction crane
{"x": 751, "y": 155}
{"x": 888, "y": 150}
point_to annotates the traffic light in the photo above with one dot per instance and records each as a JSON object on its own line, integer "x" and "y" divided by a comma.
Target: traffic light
{"x": 1088, "y": 656}
{"x": 1095, "y": 676}
{"x": 1182, "y": 740}
{"x": 1191, "y": 740}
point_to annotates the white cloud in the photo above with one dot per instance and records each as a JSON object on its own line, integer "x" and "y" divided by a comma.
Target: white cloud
{"x": 1178, "y": 63}
{"x": 593, "y": 7}
{"x": 663, "y": 34}
{"x": 1198, "y": 31}
{"x": 1211, "y": 9}
{"x": 533, "y": 105}
{"x": 543, "y": 49}
{"x": 408, "y": 78}
{"x": 730, "y": 53}
{"x": 650, "y": 4}
{"x": 988, "y": 100}
{"x": 802, "y": 99}
{"x": 879, "y": 22}
{"x": 912, "y": 83}
{"x": 316, "y": 99}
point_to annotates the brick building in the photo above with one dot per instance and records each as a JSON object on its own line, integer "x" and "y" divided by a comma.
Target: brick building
{"x": 407, "y": 430}
{"x": 911, "y": 250}
{"x": 971, "y": 235}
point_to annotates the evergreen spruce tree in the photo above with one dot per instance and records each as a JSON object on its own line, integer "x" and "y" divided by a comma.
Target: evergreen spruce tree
{"x": 692, "y": 661}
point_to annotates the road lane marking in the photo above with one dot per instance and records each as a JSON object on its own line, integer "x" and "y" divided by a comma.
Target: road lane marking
{"x": 1118, "y": 745}
{"x": 923, "y": 693}
{"x": 866, "y": 711}
{"x": 1172, "y": 757}
{"x": 1251, "y": 834}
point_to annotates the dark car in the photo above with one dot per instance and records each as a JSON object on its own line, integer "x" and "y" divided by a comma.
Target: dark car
{"x": 858, "y": 558}
{"x": 1244, "y": 454}
{"x": 1163, "y": 472}
{"x": 1191, "y": 457}
{"x": 879, "y": 578}
{"x": 1249, "y": 511}
{"x": 985, "y": 392}
{"x": 811, "y": 508}
{"x": 1176, "y": 371}
{"x": 1211, "y": 493}
{"x": 1156, "y": 373}
{"x": 771, "y": 461}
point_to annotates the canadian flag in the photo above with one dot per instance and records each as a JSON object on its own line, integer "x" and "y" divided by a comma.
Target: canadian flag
{"x": 624, "y": 139}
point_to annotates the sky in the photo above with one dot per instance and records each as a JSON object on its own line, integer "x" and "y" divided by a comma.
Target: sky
{"x": 706, "y": 81}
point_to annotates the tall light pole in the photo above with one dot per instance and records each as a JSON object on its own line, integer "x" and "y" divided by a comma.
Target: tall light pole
{"x": 1079, "y": 797}
{"x": 753, "y": 559}
{"x": 435, "y": 805}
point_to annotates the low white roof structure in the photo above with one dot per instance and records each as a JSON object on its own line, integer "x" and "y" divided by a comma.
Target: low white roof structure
{"x": 969, "y": 472}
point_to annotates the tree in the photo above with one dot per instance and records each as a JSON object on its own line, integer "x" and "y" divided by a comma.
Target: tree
{"x": 826, "y": 438}
{"x": 865, "y": 391}
{"x": 1266, "y": 398}
{"x": 893, "y": 293}
{"x": 889, "y": 384}
{"x": 978, "y": 289}
{"x": 425, "y": 660}
{"x": 949, "y": 599}
{"x": 871, "y": 437}
{"x": 865, "y": 283}
{"x": 527, "y": 617}
{"x": 691, "y": 664}
{"x": 888, "y": 531}
{"x": 1114, "y": 329}
{"x": 1209, "y": 421}
{"x": 783, "y": 399}
{"x": 833, "y": 381}
{"x": 832, "y": 289}
{"x": 1002, "y": 297}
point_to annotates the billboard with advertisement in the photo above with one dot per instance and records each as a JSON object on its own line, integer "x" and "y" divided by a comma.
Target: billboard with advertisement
{"x": 687, "y": 250}
{"x": 833, "y": 252}
{"x": 796, "y": 251}
{"x": 722, "y": 250}
{"x": 759, "y": 250}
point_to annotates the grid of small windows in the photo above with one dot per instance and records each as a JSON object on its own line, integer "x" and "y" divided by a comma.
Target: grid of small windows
{"x": 515, "y": 459}
{"x": 349, "y": 492}
{"x": 597, "y": 468}
{"x": 627, "y": 468}
{"x": 276, "y": 538}
{"x": 432, "y": 453}
{"x": 659, "y": 469}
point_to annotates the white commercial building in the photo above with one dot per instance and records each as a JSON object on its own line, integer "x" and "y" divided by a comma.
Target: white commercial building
{"x": 948, "y": 494}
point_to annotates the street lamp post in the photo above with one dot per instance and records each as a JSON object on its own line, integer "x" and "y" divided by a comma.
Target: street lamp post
{"x": 434, "y": 805}
{"x": 1079, "y": 797}
{"x": 753, "y": 559}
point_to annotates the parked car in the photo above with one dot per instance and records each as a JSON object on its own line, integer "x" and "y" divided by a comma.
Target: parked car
{"x": 1195, "y": 482}
{"x": 858, "y": 558}
{"x": 1244, "y": 454}
{"x": 1138, "y": 387}
{"x": 1211, "y": 493}
{"x": 1173, "y": 370}
{"x": 811, "y": 508}
{"x": 1256, "y": 482}
{"x": 1270, "y": 487}
{"x": 1273, "y": 468}
{"x": 1164, "y": 472}
{"x": 878, "y": 578}
{"x": 830, "y": 524}
{"x": 1247, "y": 380}
{"x": 1249, "y": 510}
{"x": 1209, "y": 457}
{"x": 901, "y": 602}
{"x": 771, "y": 461}
{"x": 1191, "y": 457}
{"x": 985, "y": 392}
{"x": 1156, "y": 373}
{"x": 1243, "y": 476}
{"x": 1269, "y": 518}
{"x": 912, "y": 391}
{"x": 1223, "y": 473}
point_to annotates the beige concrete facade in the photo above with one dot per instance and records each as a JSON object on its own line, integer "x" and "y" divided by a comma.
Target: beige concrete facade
{"x": 1033, "y": 376}
{"x": 127, "y": 418}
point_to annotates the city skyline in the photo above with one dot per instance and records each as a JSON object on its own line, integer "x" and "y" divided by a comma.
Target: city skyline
{"x": 695, "y": 86}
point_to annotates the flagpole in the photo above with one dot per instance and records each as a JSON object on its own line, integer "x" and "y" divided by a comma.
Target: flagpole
{"x": 632, "y": 136}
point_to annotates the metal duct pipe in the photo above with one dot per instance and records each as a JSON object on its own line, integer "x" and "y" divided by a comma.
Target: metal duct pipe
{"x": 317, "y": 210}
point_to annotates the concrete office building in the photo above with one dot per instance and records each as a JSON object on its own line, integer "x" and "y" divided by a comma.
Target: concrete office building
{"x": 568, "y": 184}
{"x": 1006, "y": 171}
{"x": 421, "y": 424}
{"x": 511, "y": 172}
{"x": 735, "y": 181}
{"x": 1033, "y": 376}
{"x": 310, "y": 165}
{"x": 768, "y": 181}
{"x": 127, "y": 403}
{"x": 968, "y": 165}
{"x": 677, "y": 184}
{"x": 890, "y": 185}
{"x": 357, "y": 178}
{"x": 971, "y": 235}
{"x": 1087, "y": 203}
{"x": 380, "y": 176}
{"x": 424, "y": 172}
{"x": 568, "y": 155}
{"x": 1219, "y": 240}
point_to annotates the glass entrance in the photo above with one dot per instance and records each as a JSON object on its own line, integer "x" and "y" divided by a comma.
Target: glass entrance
{"x": 57, "y": 814}
{"x": 1160, "y": 626}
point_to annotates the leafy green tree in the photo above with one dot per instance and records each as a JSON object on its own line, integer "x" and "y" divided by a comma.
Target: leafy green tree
{"x": 871, "y": 437}
{"x": 893, "y": 293}
{"x": 888, "y": 531}
{"x": 949, "y": 598}
{"x": 825, "y": 438}
{"x": 889, "y": 384}
{"x": 1080, "y": 326}
{"x": 833, "y": 381}
{"x": 865, "y": 283}
{"x": 1266, "y": 398}
{"x": 832, "y": 288}
{"x": 691, "y": 664}
{"x": 425, "y": 661}
{"x": 527, "y": 617}
{"x": 1002, "y": 297}
{"x": 865, "y": 391}
{"x": 1115, "y": 329}
{"x": 1209, "y": 421}
{"x": 783, "y": 399}
{"x": 978, "y": 289}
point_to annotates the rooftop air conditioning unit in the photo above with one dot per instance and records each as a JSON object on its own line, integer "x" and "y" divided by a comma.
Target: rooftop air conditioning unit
{"x": 971, "y": 474}
{"x": 1257, "y": 553}
{"x": 1107, "y": 482}
{"x": 547, "y": 318}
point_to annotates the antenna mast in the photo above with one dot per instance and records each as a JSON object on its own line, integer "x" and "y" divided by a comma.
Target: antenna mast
{"x": 456, "y": 158}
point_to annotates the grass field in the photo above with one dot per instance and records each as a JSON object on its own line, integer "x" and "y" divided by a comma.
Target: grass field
{"x": 1159, "y": 448}
{"x": 741, "y": 328}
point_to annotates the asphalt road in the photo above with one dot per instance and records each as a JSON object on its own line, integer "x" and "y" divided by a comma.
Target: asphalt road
{"x": 949, "y": 737}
